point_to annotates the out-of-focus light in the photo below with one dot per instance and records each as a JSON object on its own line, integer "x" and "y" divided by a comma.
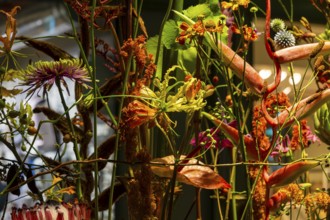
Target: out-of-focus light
{"x": 264, "y": 73}
{"x": 287, "y": 90}
{"x": 283, "y": 75}
{"x": 296, "y": 78}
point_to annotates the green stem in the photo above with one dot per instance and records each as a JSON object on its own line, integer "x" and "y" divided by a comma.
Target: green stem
{"x": 121, "y": 105}
{"x": 75, "y": 144}
{"x": 96, "y": 176}
{"x": 86, "y": 60}
{"x": 136, "y": 23}
{"x": 167, "y": 14}
{"x": 286, "y": 11}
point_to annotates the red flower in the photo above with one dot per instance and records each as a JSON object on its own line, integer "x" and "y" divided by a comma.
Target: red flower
{"x": 249, "y": 33}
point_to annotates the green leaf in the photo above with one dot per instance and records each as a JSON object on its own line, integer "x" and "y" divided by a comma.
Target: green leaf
{"x": 214, "y": 6}
{"x": 170, "y": 33}
{"x": 151, "y": 46}
{"x": 188, "y": 58}
{"x": 194, "y": 11}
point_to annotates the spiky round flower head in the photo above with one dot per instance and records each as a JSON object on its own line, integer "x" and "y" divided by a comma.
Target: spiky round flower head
{"x": 284, "y": 39}
{"x": 43, "y": 74}
{"x": 277, "y": 24}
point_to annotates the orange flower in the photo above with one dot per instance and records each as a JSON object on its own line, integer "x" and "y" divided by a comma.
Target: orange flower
{"x": 192, "y": 90}
{"x": 190, "y": 32}
{"x": 249, "y": 33}
{"x": 137, "y": 113}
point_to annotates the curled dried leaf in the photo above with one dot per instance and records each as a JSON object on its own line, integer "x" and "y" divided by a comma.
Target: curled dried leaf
{"x": 193, "y": 173}
{"x": 50, "y": 49}
{"x": 9, "y": 37}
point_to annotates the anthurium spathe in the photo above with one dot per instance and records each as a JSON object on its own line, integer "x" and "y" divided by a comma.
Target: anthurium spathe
{"x": 193, "y": 173}
{"x": 289, "y": 173}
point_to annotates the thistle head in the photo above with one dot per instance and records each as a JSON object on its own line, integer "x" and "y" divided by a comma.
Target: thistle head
{"x": 284, "y": 39}
{"x": 277, "y": 25}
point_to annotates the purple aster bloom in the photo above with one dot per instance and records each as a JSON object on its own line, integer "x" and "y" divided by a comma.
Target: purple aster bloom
{"x": 43, "y": 74}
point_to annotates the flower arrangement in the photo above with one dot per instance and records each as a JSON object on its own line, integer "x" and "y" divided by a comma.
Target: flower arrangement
{"x": 186, "y": 109}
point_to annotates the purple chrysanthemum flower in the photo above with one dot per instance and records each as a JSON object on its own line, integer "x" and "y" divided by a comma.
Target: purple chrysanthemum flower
{"x": 43, "y": 74}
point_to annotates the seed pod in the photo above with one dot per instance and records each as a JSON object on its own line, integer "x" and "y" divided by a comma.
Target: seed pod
{"x": 31, "y": 130}
{"x": 10, "y": 176}
{"x": 23, "y": 119}
{"x": 32, "y": 184}
{"x": 23, "y": 147}
{"x": 67, "y": 138}
{"x": 13, "y": 113}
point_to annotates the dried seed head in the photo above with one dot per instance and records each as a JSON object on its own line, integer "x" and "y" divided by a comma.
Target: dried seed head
{"x": 284, "y": 39}
{"x": 277, "y": 25}
{"x": 209, "y": 24}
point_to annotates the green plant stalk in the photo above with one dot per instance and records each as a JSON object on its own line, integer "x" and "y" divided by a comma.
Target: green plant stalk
{"x": 93, "y": 53}
{"x": 136, "y": 23}
{"x": 217, "y": 190}
{"x": 231, "y": 194}
{"x": 75, "y": 144}
{"x": 289, "y": 15}
{"x": 166, "y": 16}
{"x": 243, "y": 148}
{"x": 86, "y": 60}
{"x": 169, "y": 193}
{"x": 12, "y": 148}
{"x": 121, "y": 105}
